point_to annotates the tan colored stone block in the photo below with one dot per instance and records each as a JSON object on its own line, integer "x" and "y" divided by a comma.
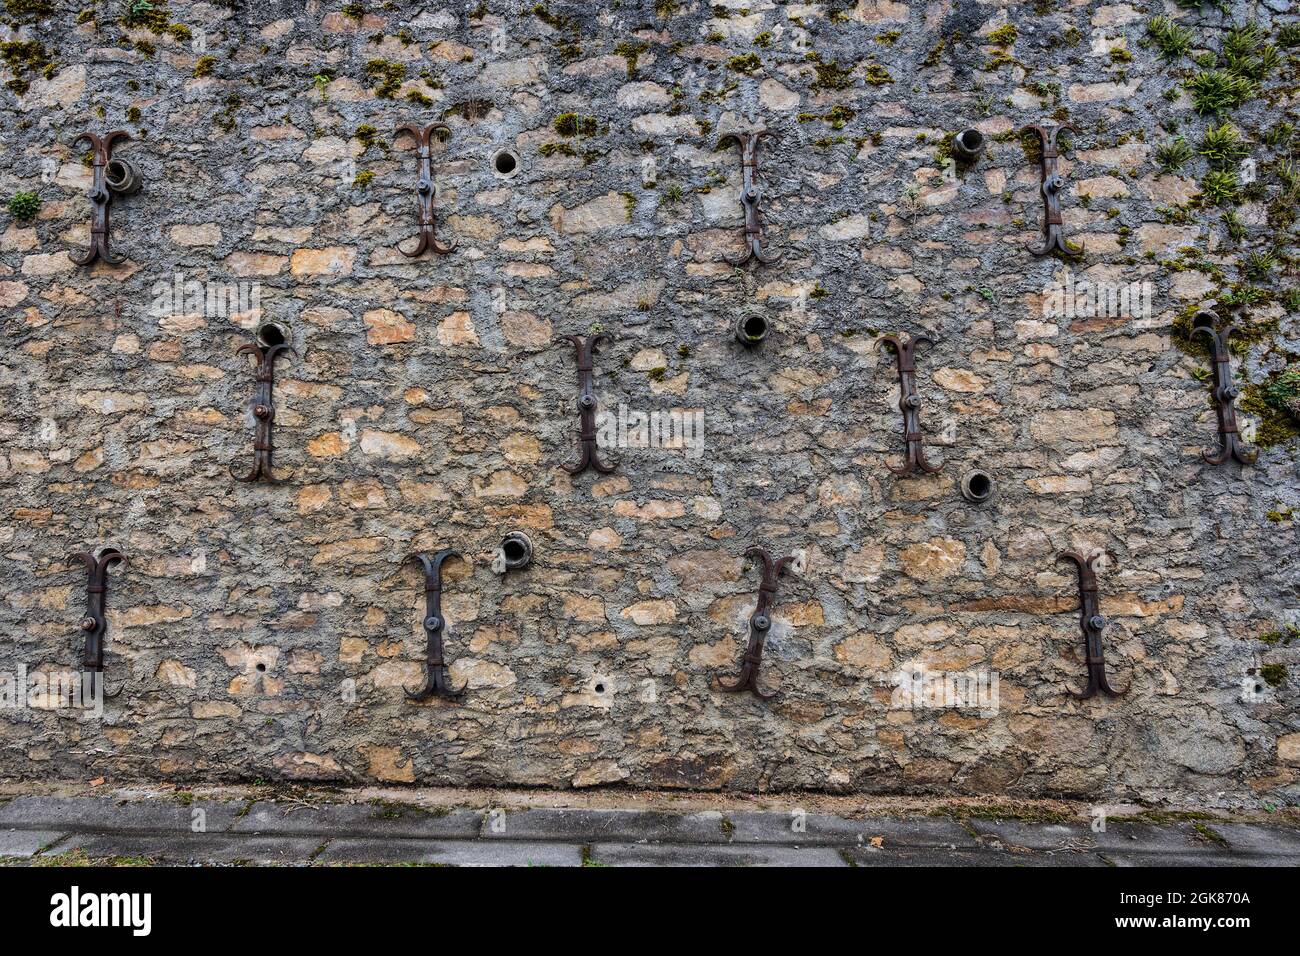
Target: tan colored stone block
{"x": 385, "y": 327}
{"x": 330, "y": 261}
{"x": 933, "y": 559}
{"x": 650, "y": 612}
{"x": 388, "y": 444}
{"x": 457, "y": 329}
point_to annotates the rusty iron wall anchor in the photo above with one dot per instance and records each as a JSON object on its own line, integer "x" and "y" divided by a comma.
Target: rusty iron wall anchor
{"x": 910, "y": 403}
{"x": 426, "y": 189}
{"x": 1224, "y": 393}
{"x": 1053, "y": 183}
{"x": 750, "y": 194}
{"x": 1093, "y": 623}
{"x": 263, "y": 409}
{"x": 112, "y": 177}
{"x": 589, "y": 455}
{"x": 93, "y": 624}
{"x": 437, "y": 681}
{"x": 760, "y": 622}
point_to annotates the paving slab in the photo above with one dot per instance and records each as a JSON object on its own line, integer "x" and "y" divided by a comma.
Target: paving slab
{"x": 106, "y": 813}
{"x": 25, "y": 843}
{"x": 591, "y": 826}
{"x": 197, "y": 847}
{"x": 452, "y": 852}
{"x": 705, "y": 854}
{"x": 822, "y": 830}
{"x": 1180, "y": 838}
{"x": 358, "y": 820}
{"x": 937, "y": 856}
{"x": 1036, "y": 836}
{"x": 1167, "y": 858}
{"x": 1257, "y": 839}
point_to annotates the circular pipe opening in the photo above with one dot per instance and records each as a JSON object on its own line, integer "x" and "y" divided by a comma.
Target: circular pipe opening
{"x": 517, "y": 550}
{"x": 968, "y": 144}
{"x": 505, "y": 164}
{"x": 751, "y": 328}
{"x": 121, "y": 176}
{"x": 977, "y": 486}
{"x": 272, "y": 334}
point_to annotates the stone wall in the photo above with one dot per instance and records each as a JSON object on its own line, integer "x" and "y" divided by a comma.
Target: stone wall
{"x": 266, "y": 631}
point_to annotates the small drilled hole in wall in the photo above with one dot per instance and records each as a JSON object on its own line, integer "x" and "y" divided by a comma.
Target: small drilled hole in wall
{"x": 261, "y": 667}
{"x": 515, "y": 550}
{"x": 600, "y": 688}
{"x": 505, "y": 164}
{"x": 756, "y": 327}
{"x": 973, "y": 140}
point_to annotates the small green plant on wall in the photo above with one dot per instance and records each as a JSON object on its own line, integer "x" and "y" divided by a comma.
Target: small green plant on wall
{"x": 24, "y": 206}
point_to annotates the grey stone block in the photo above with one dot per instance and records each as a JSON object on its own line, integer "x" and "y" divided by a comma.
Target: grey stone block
{"x": 704, "y": 854}
{"x": 161, "y": 814}
{"x": 1263, "y": 840}
{"x": 358, "y": 820}
{"x": 591, "y": 826}
{"x": 25, "y": 843}
{"x": 1036, "y": 836}
{"x": 932, "y": 856}
{"x": 822, "y": 830}
{"x": 452, "y": 852}
{"x": 195, "y": 847}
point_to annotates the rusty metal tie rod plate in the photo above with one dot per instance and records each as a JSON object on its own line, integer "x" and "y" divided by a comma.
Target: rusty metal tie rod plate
{"x": 750, "y": 195}
{"x": 437, "y": 681}
{"x": 910, "y": 403}
{"x": 588, "y": 453}
{"x": 263, "y": 409}
{"x": 101, "y": 197}
{"x": 1052, "y": 184}
{"x": 426, "y": 189}
{"x": 760, "y": 622}
{"x": 1224, "y": 392}
{"x": 1092, "y": 623}
{"x": 94, "y": 625}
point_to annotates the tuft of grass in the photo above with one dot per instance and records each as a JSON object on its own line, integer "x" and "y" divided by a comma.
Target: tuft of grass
{"x": 1219, "y": 187}
{"x": 1245, "y": 53}
{"x": 1172, "y": 40}
{"x": 1172, "y": 155}
{"x": 1222, "y": 146}
{"x": 1217, "y": 91}
{"x": 1260, "y": 265}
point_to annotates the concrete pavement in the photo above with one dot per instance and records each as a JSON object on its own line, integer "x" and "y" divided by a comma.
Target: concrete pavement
{"x": 333, "y": 828}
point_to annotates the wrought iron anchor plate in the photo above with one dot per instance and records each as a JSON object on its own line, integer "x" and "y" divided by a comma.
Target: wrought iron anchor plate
{"x": 263, "y": 410}
{"x": 1092, "y": 624}
{"x": 750, "y": 196}
{"x": 588, "y": 452}
{"x": 760, "y": 622}
{"x": 101, "y": 197}
{"x": 1052, "y": 184}
{"x": 1224, "y": 392}
{"x": 426, "y": 190}
{"x": 909, "y": 401}
{"x": 94, "y": 625}
{"x": 437, "y": 682}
